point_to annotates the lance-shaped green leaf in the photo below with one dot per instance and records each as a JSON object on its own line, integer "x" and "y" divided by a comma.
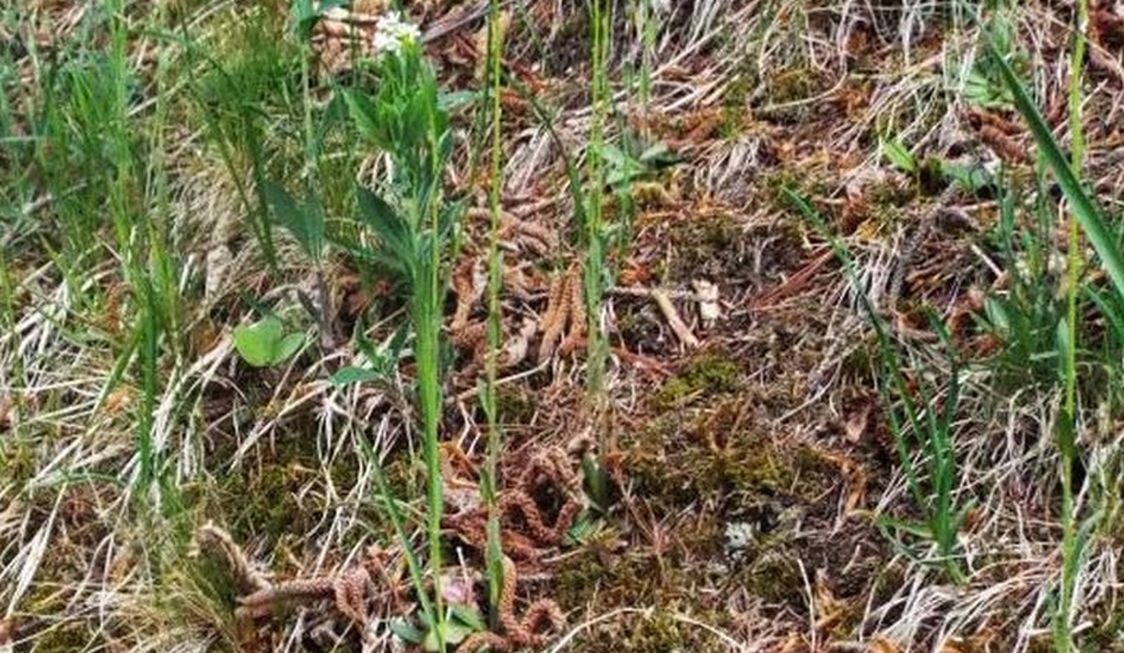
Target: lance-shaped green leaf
{"x": 1081, "y": 204}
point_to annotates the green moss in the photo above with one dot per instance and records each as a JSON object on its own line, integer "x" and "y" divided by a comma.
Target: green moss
{"x": 775, "y": 577}
{"x": 704, "y": 247}
{"x": 680, "y": 461}
{"x": 614, "y": 575}
{"x": 735, "y": 102}
{"x": 257, "y": 500}
{"x": 660, "y": 632}
{"x": 638, "y": 578}
{"x": 816, "y": 473}
{"x": 17, "y": 459}
{"x": 784, "y": 91}
{"x": 703, "y": 376}
{"x": 791, "y": 85}
{"x": 514, "y": 405}
{"x": 65, "y": 636}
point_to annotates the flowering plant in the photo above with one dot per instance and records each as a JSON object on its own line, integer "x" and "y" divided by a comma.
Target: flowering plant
{"x": 392, "y": 33}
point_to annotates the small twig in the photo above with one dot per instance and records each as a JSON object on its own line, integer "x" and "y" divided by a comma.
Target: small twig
{"x": 650, "y": 293}
{"x": 682, "y": 331}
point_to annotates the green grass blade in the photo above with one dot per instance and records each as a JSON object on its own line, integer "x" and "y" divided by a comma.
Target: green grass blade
{"x": 390, "y": 504}
{"x": 1084, "y": 208}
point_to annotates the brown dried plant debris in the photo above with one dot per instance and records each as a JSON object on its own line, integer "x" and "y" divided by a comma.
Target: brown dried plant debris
{"x": 469, "y": 283}
{"x": 1107, "y": 29}
{"x": 529, "y": 631}
{"x": 5, "y": 413}
{"x": 468, "y": 334}
{"x": 525, "y": 530}
{"x": 565, "y": 313}
{"x": 518, "y": 234}
{"x": 211, "y": 538}
{"x": 350, "y": 591}
{"x": 340, "y": 35}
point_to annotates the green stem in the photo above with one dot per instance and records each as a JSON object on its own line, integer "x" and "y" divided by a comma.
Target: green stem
{"x": 429, "y": 379}
{"x": 494, "y": 555}
{"x": 593, "y": 267}
{"x": 1068, "y": 430}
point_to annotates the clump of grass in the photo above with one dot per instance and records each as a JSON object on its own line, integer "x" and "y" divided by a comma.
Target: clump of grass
{"x": 916, "y": 421}
{"x": 1086, "y": 215}
{"x": 232, "y": 94}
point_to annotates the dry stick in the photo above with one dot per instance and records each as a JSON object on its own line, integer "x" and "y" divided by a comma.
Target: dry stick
{"x": 650, "y": 293}
{"x": 682, "y": 331}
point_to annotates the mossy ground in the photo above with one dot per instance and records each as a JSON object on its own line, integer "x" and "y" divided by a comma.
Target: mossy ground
{"x": 748, "y": 468}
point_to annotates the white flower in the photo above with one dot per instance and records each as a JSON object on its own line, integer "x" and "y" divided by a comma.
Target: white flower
{"x": 391, "y": 32}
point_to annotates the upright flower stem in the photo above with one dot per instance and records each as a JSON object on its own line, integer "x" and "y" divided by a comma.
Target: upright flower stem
{"x": 494, "y": 555}
{"x": 430, "y": 395}
{"x": 593, "y": 267}
{"x": 1068, "y": 430}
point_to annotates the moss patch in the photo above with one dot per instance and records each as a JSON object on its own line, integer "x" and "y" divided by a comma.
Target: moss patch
{"x": 705, "y": 247}
{"x": 259, "y": 500}
{"x": 706, "y": 375}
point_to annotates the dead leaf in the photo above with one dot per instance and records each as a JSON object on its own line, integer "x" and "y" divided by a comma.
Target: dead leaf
{"x": 118, "y": 400}
{"x": 515, "y": 351}
{"x": 857, "y": 422}
{"x": 217, "y": 264}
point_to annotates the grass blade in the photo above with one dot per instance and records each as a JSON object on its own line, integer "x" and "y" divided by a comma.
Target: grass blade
{"x": 1084, "y": 208}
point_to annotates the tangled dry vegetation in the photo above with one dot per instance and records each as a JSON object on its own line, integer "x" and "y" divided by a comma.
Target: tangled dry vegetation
{"x": 743, "y": 489}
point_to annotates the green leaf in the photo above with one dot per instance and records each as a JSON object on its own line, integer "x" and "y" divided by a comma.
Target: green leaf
{"x": 1110, "y": 310}
{"x": 288, "y": 346}
{"x": 257, "y": 343}
{"x": 349, "y": 375}
{"x": 917, "y": 529}
{"x": 387, "y": 224}
{"x": 456, "y": 100}
{"x": 997, "y": 315}
{"x": 584, "y": 527}
{"x": 898, "y": 155}
{"x": 596, "y": 482}
{"x": 455, "y": 633}
{"x": 263, "y": 344}
{"x": 398, "y": 248}
{"x": 469, "y": 615}
{"x": 305, "y": 222}
{"x": 304, "y": 17}
{"x": 364, "y": 114}
{"x": 406, "y": 631}
{"x": 1082, "y": 206}
{"x": 972, "y": 178}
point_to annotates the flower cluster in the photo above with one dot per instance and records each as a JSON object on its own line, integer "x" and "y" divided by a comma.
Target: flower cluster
{"x": 391, "y": 33}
